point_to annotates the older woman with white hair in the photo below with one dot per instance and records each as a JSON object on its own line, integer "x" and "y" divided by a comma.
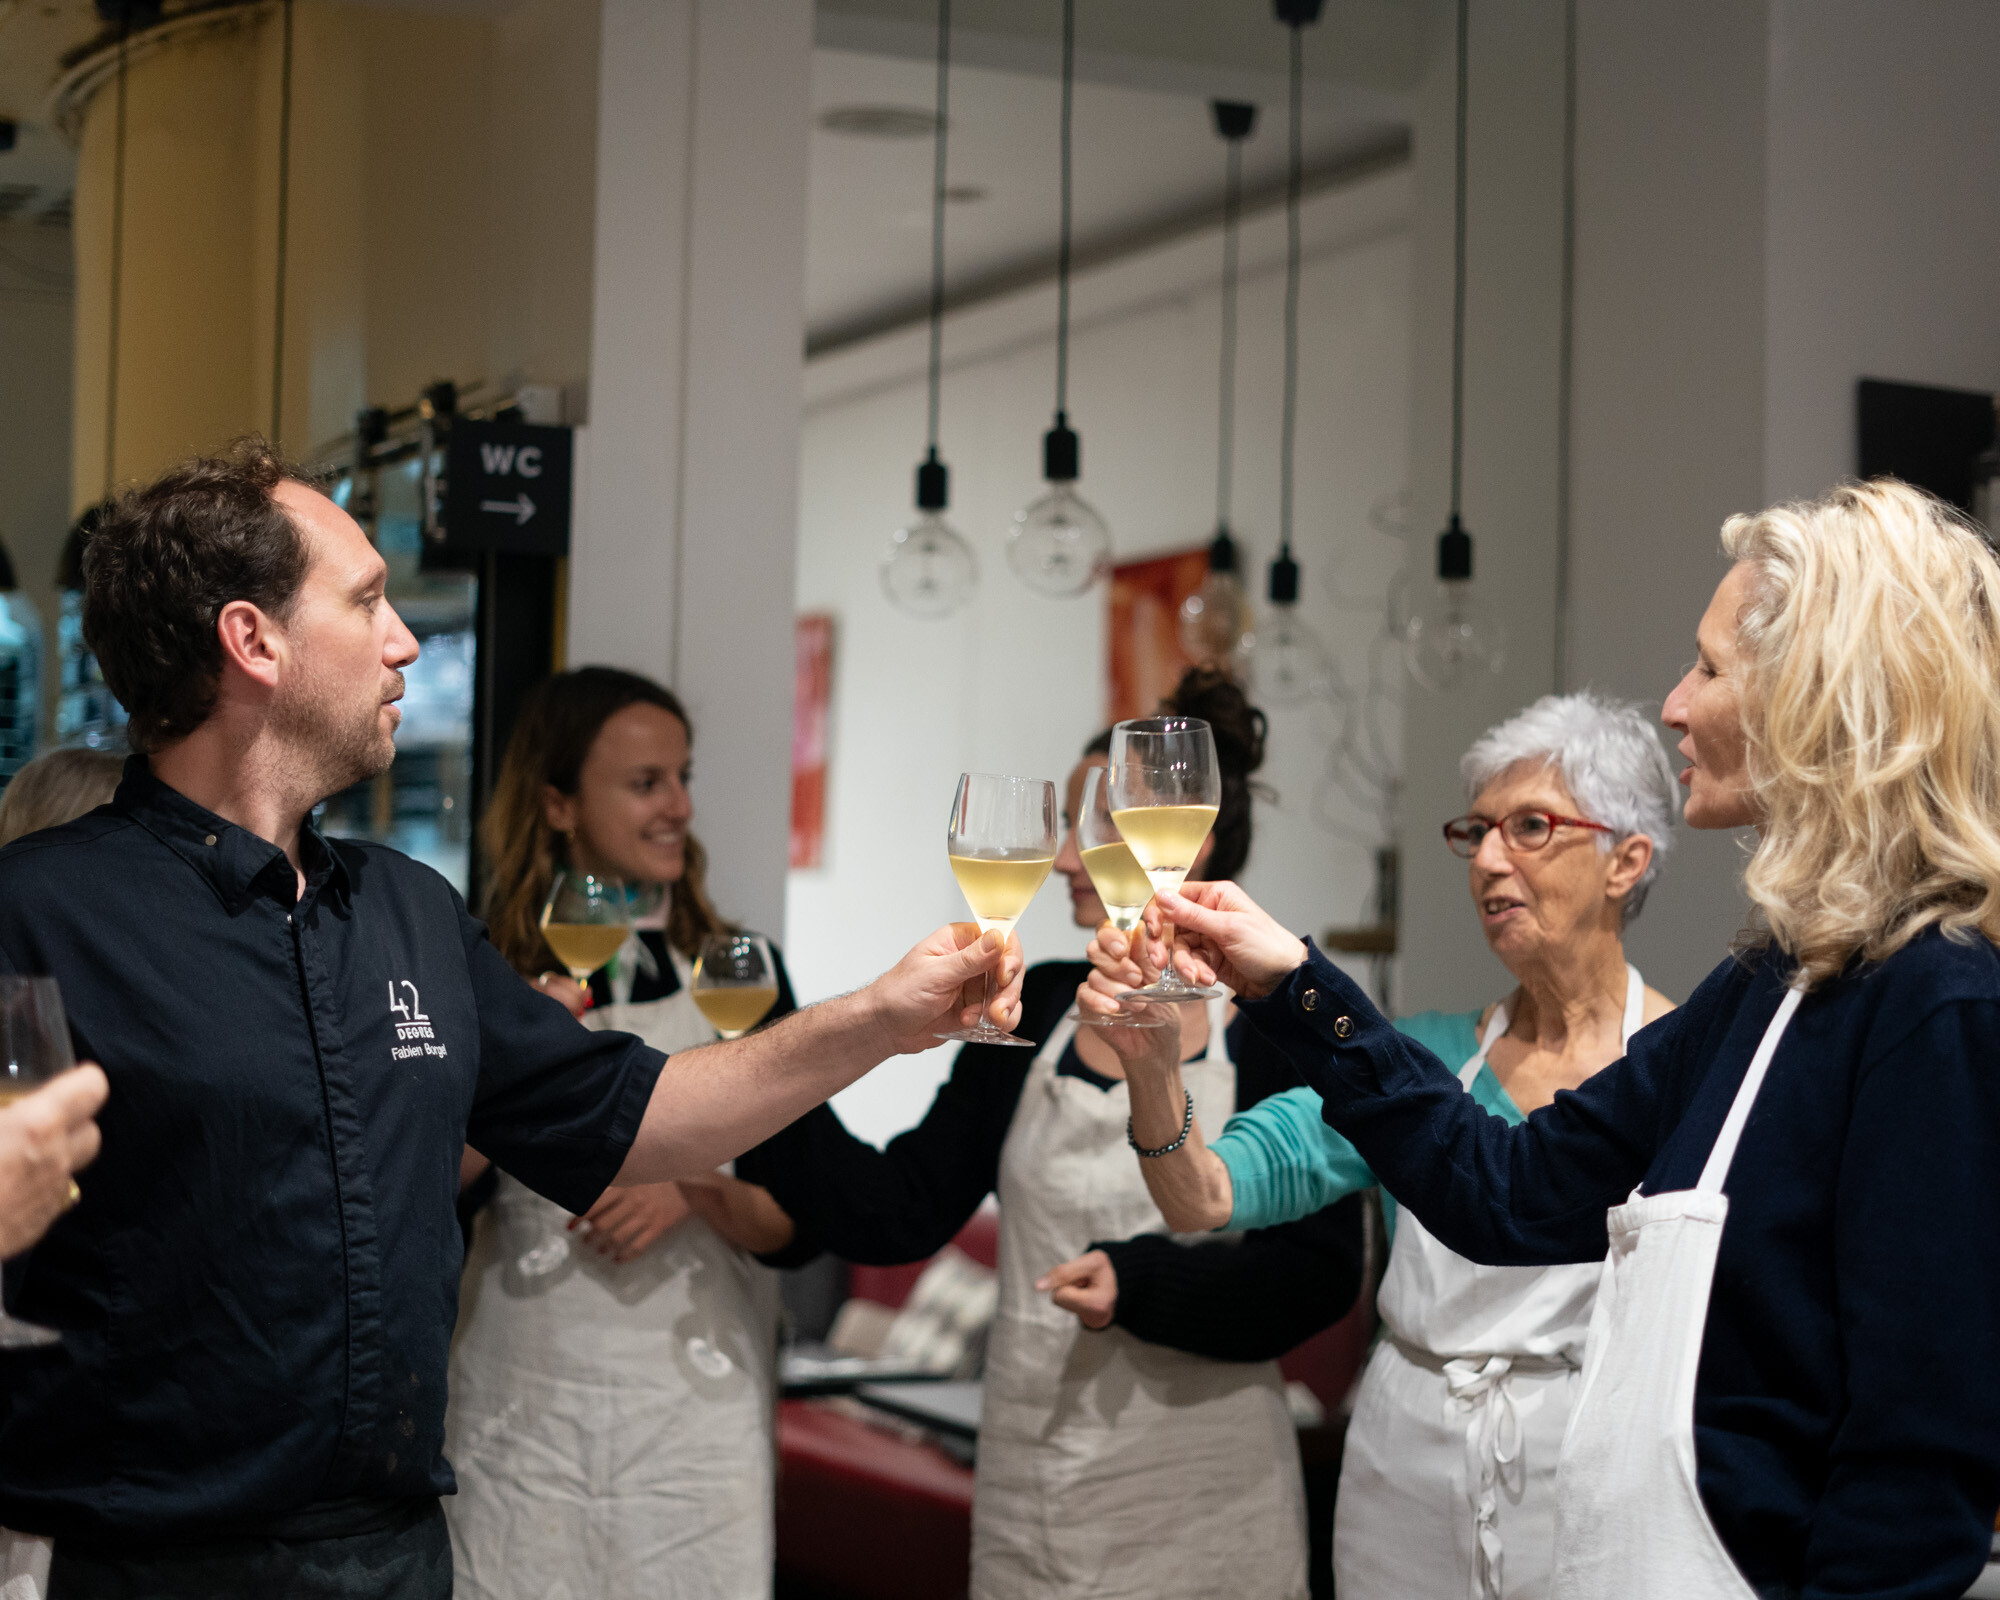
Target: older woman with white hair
{"x": 1792, "y": 1382}
{"x": 1447, "y": 1487}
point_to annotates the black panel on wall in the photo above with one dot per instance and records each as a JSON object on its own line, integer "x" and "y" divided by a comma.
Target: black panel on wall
{"x": 1924, "y": 435}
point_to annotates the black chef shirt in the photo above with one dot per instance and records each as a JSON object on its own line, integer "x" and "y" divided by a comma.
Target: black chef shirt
{"x": 258, "y": 1289}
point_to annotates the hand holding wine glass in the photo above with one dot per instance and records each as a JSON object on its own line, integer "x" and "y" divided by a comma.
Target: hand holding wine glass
{"x": 1002, "y": 842}
{"x": 1228, "y": 938}
{"x": 1166, "y": 789}
{"x": 48, "y": 1133}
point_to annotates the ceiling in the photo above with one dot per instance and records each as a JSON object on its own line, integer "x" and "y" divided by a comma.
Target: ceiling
{"x": 1147, "y": 161}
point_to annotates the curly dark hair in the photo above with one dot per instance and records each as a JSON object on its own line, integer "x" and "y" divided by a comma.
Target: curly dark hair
{"x": 161, "y": 564}
{"x": 1238, "y": 729}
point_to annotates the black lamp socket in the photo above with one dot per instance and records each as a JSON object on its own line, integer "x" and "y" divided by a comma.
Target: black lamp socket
{"x": 1234, "y": 119}
{"x": 1284, "y": 590}
{"x": 933, "y": 484}
{"x": 1454, "y": 553}
{"x": 1298, "y": 13}
{"x": 1222, "y": 552}
{"x": 1062, "y": 452}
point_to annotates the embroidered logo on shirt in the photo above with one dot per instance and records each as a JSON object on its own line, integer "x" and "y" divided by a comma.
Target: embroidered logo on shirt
{"x": 413, "y": 1027}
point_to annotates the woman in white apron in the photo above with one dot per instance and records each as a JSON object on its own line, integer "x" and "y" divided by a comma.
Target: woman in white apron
{"x": 1792, "y": 1377}
{"x": 1107, "y": 1466}
{"x": 1448, "y": 1479}
{"x": 613, "y": 1377}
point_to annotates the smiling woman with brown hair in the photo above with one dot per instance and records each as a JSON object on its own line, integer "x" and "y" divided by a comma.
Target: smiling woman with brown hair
{"x": 1792, "y": 1383}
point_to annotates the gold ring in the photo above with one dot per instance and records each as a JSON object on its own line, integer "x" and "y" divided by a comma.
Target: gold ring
{"x": 75, "y": 1194}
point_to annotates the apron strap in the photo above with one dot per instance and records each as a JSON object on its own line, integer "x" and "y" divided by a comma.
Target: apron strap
{"x": 1739, "y": 1111}
{"x": 1218, "y": 1029}
{"x": 1635, "y": 1004}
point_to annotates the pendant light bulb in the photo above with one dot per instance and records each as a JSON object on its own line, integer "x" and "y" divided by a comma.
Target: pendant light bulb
{"x": 1216, "y": 622}
{"x": 1058, "y": 544}
{"x": 1450, "y": 636}
{"x": 929, "y": 570}
{"x": 1287, "y": 663}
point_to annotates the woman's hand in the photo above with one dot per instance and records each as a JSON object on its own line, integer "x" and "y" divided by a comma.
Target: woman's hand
{"x": 743, "y": 1213}
{"x": 1087, "y": 1286}
{"x": 626, "y": 1222}
{"x": 44, "y": 1137}
{"x": 1227, "y": 938}
{"x": 561, "y": 987}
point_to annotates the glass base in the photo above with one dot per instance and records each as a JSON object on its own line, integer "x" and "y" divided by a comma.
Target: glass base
{"x": 986, "y": 1033}
{"x": 18, "y": 1335}
{"x": 1123, "y": 1020}
{"x": 1180, "y": 995}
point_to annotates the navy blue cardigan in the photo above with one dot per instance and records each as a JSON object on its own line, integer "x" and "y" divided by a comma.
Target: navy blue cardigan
{"x": 1847, "y": 1408}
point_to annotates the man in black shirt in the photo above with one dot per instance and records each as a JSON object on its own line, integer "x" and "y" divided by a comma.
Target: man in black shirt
{"x": 258, "y": 1288}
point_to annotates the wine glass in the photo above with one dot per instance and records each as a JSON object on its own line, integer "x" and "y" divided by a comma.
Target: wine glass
{"x": 1116, "y": 875}
{"x": 34, "y": 1048}
{"x": 585, "y": 921}
{"x": 1002, "y": 840}
{"x": 735, "y": 982}
{"x": 1165, "y": 791}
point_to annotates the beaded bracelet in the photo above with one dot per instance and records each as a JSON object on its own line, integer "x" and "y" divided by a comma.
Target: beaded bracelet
{"x": 1187, "y": 1127}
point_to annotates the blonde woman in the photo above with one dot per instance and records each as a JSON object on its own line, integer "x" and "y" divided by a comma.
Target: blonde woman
{"x": 1792, "y": 1379}
{"x": 57, "y": 788}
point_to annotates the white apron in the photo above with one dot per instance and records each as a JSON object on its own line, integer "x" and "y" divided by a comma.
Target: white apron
{"x": 611, "y": 1426}
{"x": 1459, "y": 1421}
{"x": 1110, "y": 1467}
{"x": 1629, "y": 1517}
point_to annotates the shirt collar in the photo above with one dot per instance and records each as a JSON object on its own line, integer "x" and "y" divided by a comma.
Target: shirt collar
{"x": 237, "y": 864}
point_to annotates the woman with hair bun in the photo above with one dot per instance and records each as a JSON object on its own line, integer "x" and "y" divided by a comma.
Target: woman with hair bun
{"x": 1085, "y": 1438}
{"x": 1791, "y": 1388}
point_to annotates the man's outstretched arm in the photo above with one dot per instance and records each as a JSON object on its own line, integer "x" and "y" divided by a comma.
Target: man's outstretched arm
{"x": 714, "y": 1103}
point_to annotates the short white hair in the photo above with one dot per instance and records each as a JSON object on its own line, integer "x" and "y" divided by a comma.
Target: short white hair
{"x": 1608, "y": 757}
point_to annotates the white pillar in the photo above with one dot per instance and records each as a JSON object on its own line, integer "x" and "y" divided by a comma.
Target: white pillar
{"x": 682, "y": 556}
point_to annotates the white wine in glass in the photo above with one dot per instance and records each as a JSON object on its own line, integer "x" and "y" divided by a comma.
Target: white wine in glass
{"x": 34, "y": 1048}
{"x": 1002, "y": 840}
{"x": 1121, "y": 884}
{"x": 1166, "y": 789}
{"x": 586, "y": 921}
{"x": 735, "y": 982}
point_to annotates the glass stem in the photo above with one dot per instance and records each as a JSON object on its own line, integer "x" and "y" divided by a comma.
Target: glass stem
{"x": 992, "y": 993}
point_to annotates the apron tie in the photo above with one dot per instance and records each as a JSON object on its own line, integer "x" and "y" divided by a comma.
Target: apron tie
{"x": 1483, "y": 1392}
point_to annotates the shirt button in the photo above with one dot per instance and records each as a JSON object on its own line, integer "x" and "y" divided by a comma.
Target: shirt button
{"x": 209, "y": 840}
{"x": 1343, "y": 1027}
{"x": 1310, "y": 999}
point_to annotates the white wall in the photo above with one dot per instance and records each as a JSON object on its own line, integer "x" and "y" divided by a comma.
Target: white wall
{"x": 1016, "y": 682}
{"x": 1884, "y": 216}
{"x": 687, "y": 488}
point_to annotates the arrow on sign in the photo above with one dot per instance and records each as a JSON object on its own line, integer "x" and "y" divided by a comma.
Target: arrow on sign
{"x": 520, "y": 508}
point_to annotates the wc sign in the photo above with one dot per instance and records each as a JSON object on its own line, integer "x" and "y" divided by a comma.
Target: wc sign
{"x": 507, "y": 487}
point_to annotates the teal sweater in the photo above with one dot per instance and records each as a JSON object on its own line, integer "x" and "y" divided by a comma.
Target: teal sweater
{"x": 1285, "y": 1162}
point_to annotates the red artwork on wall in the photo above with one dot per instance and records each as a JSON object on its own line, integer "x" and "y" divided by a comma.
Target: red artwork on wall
{"x": 1145, "y": 639}
{"x": 812, "y": 705}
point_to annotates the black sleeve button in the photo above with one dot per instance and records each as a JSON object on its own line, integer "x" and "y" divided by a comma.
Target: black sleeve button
{"x": 1310, "y": 999}
{"x": 1343, "y": 1027}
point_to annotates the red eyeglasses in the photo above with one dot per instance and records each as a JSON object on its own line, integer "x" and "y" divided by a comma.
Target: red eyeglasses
{"x": 1520, "y": 831}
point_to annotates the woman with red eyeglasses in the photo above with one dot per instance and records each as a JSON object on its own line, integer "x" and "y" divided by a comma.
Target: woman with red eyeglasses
{"x": 1447, "y": 1486}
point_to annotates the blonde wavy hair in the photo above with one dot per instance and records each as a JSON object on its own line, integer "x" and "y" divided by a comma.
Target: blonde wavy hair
{"x": 1871, "y": 715}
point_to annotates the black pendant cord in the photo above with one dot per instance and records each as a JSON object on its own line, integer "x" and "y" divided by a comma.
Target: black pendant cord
{"x": 1062, "y": 243}
{"x": 117, "y": 259}
{"x": 1232, "y": 205}
{"x": 937, "y": 220}
{"x": 1293, "y": 169}
{"x": 1458, "y": 272}
{"x": 284, "y": 230}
